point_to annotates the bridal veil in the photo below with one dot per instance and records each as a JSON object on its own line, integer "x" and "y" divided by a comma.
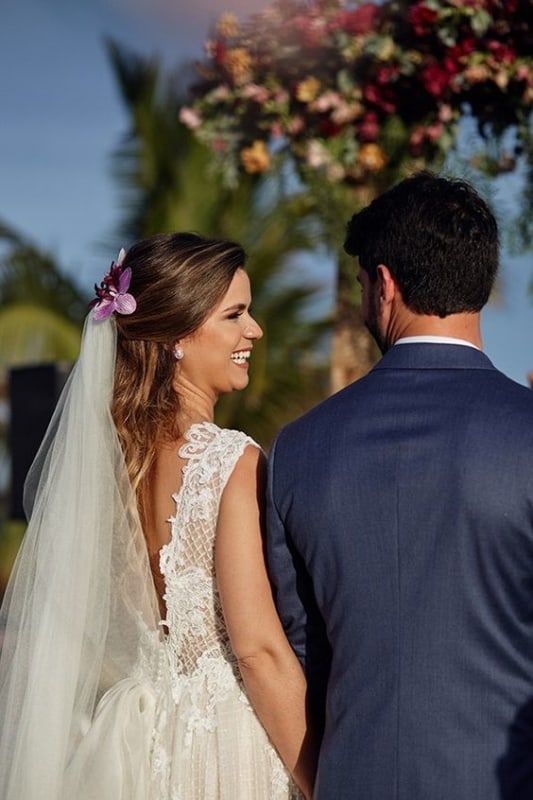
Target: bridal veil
{"x": 81, "y": 589}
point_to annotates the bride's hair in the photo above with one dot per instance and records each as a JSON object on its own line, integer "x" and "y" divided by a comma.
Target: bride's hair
{"x": 177, "y": 280}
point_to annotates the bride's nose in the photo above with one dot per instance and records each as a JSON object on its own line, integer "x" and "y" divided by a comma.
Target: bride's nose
{"x": 253, "y": 330}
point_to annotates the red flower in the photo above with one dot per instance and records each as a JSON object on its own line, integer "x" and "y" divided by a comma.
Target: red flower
{"x": 421, "y": 18}
{"x": 363, "y": 19}
{"x": 329, "y": 129}
{"x": 501, "y": 52}
{"x": 435, "y": 79}
{"x": 381, "y": 96}
{"x": 456, "y": 54}
{"x": 311, "y": 27}
{"x": 368, "y": 128}
{"x": 387, "y": 73}
{"x": 219, "y": 51}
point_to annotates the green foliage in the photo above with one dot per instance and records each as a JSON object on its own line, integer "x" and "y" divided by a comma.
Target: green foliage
{"x": 41, "y": 308}
{"x": 11, "y": 533}
{"x": 29, "y": 274}
{"x": 32, "y": 334}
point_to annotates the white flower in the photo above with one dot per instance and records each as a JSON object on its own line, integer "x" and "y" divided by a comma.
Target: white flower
{"x": 317, "y": 156}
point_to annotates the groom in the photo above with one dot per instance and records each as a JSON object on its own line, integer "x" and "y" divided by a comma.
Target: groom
{"x": 400, "y": 537}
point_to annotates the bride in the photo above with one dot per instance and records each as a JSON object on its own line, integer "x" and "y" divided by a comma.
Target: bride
{"x": 140, "y": 628}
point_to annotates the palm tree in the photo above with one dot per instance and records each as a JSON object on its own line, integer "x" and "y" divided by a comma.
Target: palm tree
{"x": 41, "y": 308}
{"x": 168, "y": 184}
{"x": 41, "y": 311}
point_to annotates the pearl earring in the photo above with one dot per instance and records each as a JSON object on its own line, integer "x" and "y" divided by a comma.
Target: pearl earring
{"x": 178, "y": 353}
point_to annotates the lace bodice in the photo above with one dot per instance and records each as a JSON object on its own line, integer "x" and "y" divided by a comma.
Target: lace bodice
{"x": 197, "y": 641}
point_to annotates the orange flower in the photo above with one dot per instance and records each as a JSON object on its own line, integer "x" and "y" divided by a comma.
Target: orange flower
{"x": 501, "y": 79}
{"x": 371, "y": 157}
{"x": 228, "y": 25}
{"x": 307, "y": 90}
{"x": 239, "y": 64}
{"x": 255, "y": 158}
{"x": 477, "y": 73}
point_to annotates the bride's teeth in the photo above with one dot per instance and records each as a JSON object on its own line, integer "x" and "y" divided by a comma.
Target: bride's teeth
{"x": 240, "y": 358}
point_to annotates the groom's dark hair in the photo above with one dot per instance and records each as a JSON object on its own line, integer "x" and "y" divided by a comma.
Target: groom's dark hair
{"x": 438, "y": 238}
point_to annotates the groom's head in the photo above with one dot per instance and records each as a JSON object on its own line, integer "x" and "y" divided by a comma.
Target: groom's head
{"x": 435, "y": 239}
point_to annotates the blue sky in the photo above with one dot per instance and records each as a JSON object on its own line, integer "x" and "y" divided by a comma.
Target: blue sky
{"x": 61, "y": 118}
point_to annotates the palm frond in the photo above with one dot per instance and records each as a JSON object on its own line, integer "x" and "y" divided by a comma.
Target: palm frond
{"x": 28, "y": 273}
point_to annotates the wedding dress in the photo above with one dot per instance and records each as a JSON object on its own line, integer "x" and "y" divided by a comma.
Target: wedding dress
{"x": 182, "y": 727}
{"x": 101, "y": 699}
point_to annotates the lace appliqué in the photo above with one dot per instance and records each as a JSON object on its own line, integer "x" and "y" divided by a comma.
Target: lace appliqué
{"x": 202, "y": 665}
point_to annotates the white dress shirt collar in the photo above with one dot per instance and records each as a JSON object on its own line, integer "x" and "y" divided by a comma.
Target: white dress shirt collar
{"x": 435, "y": 340}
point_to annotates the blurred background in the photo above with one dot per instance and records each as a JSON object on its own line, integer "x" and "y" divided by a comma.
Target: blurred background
{"x": 93, "y": 155}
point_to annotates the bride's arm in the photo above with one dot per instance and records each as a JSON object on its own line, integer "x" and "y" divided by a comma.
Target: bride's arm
{"x": 272, "y": 674}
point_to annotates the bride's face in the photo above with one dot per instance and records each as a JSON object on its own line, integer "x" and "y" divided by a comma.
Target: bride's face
{"x": 216, "y": 356}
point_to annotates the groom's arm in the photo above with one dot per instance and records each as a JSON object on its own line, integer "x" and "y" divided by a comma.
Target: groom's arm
{"x": 284, "y": 565}
{"x": 294, "y": 595}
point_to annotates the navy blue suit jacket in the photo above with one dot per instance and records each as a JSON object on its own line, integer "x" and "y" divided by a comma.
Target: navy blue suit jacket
{"x": 400, "y": 545}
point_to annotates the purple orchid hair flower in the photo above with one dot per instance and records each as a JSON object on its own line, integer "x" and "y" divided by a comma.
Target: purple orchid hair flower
{"x": 112, "y": 294}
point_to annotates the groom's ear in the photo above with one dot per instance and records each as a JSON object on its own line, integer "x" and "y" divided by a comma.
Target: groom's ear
{"x": 388, "y": 288}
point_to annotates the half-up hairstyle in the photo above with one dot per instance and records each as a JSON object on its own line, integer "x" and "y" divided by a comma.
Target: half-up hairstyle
{"x": 177, "y": 280}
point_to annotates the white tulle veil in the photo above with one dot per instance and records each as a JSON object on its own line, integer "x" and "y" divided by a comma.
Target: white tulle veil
{"x": 81, "y": 589}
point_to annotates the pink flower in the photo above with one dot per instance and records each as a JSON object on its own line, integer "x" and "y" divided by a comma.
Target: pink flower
{"x": 112, "y": 294}
{"x": 445, "y": 113}
{"x": 523, "y": 73}
{"x": 190, "y": 118}
{"x": 295, "y": 125}
{"x": 346, "y": 112}
{"x": 252, "y": 91}
{"x": 416, "y": 140}
{"x": 434, "y": 131}
{"x": 221, "y": 93}
{"x": 326, "y": 101}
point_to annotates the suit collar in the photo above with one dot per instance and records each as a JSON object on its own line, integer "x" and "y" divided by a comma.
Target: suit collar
{"x": 434, "y": 356}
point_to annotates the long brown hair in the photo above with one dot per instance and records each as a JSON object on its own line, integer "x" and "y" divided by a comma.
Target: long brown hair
{"x": 177, "y": 280}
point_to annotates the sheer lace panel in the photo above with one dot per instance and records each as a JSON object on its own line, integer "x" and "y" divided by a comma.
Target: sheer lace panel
{"x": 197, "y": 639}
